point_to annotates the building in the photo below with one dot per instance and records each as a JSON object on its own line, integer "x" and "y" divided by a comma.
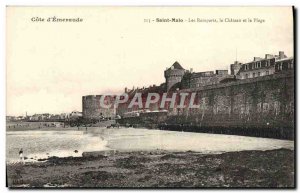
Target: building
{"x": 285, "y": 64}
{"x": 123, "y": 107}
{"x": 15, "y": 118}
{"x": 55, "y": 118}
{"x": 63, "y": 116}
{"x": 263, "y": 66}
{"x": 235, "y": 68}
{"x": 91, "y": 108}
{"x": 208, "y": 78}
{"x": 174, "y": 75}
{"x": 10, "y": 118}
{"x": 75, "y": 114}
{"x": 40, "y": 117}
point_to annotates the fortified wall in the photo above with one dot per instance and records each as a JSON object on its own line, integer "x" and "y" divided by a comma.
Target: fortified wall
{"x": 257, "y": 96}
{"x": 264, "y": 102}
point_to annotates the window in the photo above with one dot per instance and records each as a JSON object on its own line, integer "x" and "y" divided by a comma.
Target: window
{"x": 258, "y": 74}
{"x": 265, "y": 107}
{"x": 267, "y": 62}
{"x": 246, "y": 75}
{"x": 257, "y": 64}
{"x": 253, "y": 75}
{"x": 267, "y": 72}
{"x": 246, "y": 67}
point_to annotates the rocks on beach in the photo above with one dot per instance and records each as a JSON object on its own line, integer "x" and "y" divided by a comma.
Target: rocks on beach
{"x": 272, "y": 168}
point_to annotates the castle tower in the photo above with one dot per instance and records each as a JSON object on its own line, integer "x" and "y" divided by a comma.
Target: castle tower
{"x": 235, "y": 68}
{"x": 174, "y": 75}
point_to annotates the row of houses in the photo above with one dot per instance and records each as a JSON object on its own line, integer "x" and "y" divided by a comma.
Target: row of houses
{"x": 46, "y": 117}
{"x": 268, "y": 65}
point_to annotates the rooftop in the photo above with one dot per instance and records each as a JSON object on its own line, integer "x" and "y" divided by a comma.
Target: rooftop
{"x": 177, "y": 66}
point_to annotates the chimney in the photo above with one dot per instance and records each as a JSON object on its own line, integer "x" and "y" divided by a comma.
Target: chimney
{"x": 268, "y": 56}
{"x": 126, "y": 89}
{"x": 256, "y": 59}
{"x": 281, "y": 54}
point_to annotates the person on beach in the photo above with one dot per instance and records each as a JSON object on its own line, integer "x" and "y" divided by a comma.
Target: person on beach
{"x": 21, "y": 155}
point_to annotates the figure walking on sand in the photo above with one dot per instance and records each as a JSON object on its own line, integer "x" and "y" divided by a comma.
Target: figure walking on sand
{"x": 21, "y": 155}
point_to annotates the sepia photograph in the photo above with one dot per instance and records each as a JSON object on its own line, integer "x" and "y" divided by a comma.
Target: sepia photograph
{"x": 150, "y": 97}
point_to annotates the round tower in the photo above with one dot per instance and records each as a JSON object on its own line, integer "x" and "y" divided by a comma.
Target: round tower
{"x": 91, "y": 108}
{"x": 173, "y": 75}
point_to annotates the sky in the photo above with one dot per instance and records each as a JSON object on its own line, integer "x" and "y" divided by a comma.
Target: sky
{"x": 51, "y": 65}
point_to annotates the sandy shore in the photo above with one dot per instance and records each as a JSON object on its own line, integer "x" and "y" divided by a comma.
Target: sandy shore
{"x": 272, "y": 168}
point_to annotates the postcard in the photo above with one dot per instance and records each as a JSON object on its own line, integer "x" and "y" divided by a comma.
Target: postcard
{"x": 150, "y": 97}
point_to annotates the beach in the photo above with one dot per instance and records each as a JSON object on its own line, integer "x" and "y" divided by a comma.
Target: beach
{"x": 163, "y": 169}
{"x": 132, "y": 158}
{"x": 64, "y": 142}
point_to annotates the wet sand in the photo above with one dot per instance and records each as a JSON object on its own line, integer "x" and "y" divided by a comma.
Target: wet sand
{"x": 136, "y": 169}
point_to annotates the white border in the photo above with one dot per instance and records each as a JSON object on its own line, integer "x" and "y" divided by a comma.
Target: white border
{"x": 4, "y": 3}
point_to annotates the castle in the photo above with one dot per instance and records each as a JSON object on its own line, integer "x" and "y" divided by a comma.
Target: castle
{"x": 260, "y": 93}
